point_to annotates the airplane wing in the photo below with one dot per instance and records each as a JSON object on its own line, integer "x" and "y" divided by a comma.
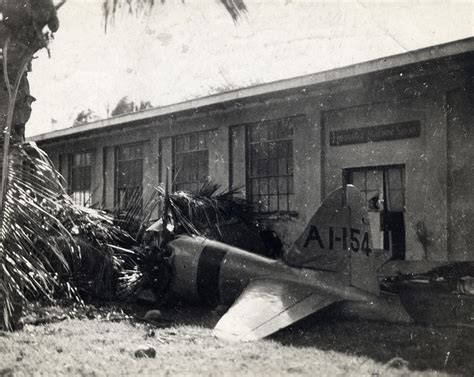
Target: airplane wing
{"x": 267, "y": 306}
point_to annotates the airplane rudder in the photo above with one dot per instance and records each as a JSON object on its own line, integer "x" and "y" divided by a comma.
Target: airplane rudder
{"x": 326, "y": 239}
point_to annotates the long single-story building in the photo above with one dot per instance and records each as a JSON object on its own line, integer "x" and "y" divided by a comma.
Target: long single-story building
{"x": 400, "y": 128}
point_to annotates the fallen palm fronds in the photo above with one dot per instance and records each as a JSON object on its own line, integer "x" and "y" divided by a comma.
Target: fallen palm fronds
{"x": 50, "y": 246}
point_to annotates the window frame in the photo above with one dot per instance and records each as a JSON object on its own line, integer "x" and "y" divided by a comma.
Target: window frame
{"x": 117, "y": 151}
{"x": 176, "y": 153}
{"x": 249, "y": 176}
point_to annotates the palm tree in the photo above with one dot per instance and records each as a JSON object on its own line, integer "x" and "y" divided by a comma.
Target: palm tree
{"x": 35, "y": 243}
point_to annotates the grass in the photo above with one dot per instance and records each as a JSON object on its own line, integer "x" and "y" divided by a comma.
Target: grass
{"x": 318, "y": 346}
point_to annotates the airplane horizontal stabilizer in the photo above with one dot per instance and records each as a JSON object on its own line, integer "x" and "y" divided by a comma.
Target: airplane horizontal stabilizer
{"x": 267, "y": 306}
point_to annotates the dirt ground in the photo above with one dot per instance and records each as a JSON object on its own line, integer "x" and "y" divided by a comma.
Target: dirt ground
{"x": 102, "y": 344}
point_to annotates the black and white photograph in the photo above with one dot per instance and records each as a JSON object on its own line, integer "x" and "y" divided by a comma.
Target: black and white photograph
{"x": 236, "y": 188}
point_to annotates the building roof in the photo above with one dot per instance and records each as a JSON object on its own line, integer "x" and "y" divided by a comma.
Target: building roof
{"x": 391, "y": 62}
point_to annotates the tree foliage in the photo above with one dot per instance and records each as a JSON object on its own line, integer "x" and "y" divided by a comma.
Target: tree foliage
{"x": 126, "y": 106}
{"x": 85, "y": 116}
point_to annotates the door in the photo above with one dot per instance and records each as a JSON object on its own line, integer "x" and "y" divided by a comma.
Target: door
{"x": 384, "y": 190}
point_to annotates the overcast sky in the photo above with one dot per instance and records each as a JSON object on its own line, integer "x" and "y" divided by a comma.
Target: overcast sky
{"x": 182, "y": 51}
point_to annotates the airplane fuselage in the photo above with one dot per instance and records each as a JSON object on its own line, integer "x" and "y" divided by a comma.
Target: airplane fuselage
{"x": 211, "y": 272}
{"x": 331, "y": 262}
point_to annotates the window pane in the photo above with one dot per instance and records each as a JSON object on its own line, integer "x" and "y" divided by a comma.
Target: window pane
{"x": 273, "y": 149}
{"x": 290, "y": 167}
{"x": 283, "y": 202}
{"x": 273, "y": 185}
{"x": 282, "y": 166}
{"x": 262, "y": 168}
{"x": 253, "y": 168}
{"x": 291, "y": 201}
{"x": 273, "y": 203}
{"x": 290, "y": 186}
{"x": 273, "y": 167}
{"x": 254, "y": 187}
{"x": 283, "y": 185}
{"x": 263, "y": 204}
{"x": 282, "y": 149}
{"x": 193, "y": 140}
{"x": 263, "y": 186}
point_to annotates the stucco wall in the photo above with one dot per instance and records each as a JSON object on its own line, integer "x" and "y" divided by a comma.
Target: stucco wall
{"x": 461, "y": 173}
{"x": 410, "y": 152}
{"x": 358, "y": 102}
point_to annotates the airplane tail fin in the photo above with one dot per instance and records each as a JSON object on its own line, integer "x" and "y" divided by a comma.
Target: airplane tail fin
{"x": 337, "y": 239}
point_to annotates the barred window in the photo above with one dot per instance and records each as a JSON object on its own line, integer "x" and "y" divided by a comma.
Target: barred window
{"x": 129, "y": 175}
{"x": 270, "y": 165}
{"x": 191, "y": 161}
{"x": 80, "y": 177}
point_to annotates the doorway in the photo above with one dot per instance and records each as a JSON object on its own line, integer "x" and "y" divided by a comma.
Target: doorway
{"x": 383, "y": 188}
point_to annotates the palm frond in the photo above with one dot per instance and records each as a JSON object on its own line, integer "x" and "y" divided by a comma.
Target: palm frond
{"x": 136, "y": 215}
{"x": 95, "y": 270}
{"x": 194, "y": 213}
{"x": 235, "y": 8}
{"x": 28, "y": 226}
{"x": 49, "y": 244}
{"x": 46, "y": 241}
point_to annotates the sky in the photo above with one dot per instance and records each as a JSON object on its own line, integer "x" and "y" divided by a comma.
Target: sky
{"x": 177, "y": 52}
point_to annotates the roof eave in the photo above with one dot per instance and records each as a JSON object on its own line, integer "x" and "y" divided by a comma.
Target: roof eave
{"x": 391, "y": 62}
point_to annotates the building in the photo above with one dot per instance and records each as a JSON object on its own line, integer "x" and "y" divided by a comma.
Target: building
{"x": 400, "y": 128}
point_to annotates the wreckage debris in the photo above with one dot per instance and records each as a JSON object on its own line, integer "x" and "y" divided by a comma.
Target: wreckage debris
{"x": 442, "y": 296}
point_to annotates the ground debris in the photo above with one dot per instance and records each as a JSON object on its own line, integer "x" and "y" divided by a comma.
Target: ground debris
{"x": 38, "y": 314}
{"x": 6, "y": 372}
{"x": 396, "y": 362}
{"x": 145, "y": 350}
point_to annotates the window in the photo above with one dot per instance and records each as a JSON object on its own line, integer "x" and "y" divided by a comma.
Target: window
{"x": 191, "y": 161}
{"x": 270, "y": 165}
{"x": 129, "y": 175}
{"x": 80, "y": 177}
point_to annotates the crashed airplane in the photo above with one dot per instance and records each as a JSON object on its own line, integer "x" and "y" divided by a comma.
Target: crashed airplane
{"x": 332, "y": 261}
